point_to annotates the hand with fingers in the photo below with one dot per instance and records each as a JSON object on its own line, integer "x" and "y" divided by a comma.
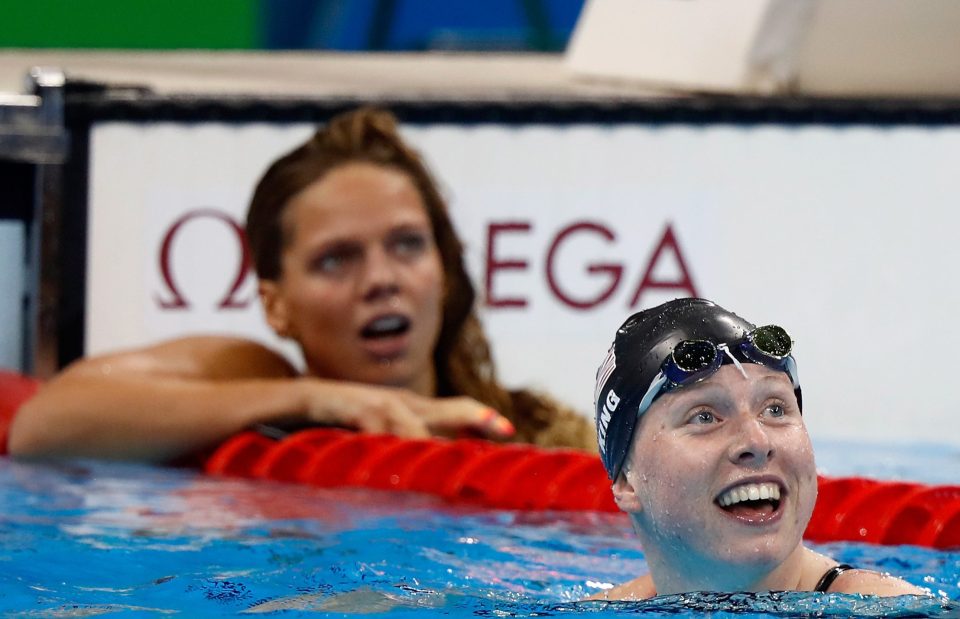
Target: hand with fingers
{"x": 386, "y": 410}
{"x": 459, "y": 416}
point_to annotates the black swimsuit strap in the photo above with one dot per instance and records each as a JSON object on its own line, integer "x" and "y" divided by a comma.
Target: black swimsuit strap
{"x": 830, "y": 575}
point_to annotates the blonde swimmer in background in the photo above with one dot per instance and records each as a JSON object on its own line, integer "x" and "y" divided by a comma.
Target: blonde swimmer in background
{"x": 358, "y": 263}
{"x": 700, "y": 429}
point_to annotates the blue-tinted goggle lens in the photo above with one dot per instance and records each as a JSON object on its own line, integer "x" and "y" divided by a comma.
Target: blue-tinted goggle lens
{"x": 694, "y": 355}
{"x": 770, "y": 340}
{"x": 694, "y": 360}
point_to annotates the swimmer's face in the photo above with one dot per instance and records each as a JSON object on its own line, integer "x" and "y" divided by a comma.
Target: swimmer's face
{"x": 361, "y": 280}
{"x": 701, "y": 447}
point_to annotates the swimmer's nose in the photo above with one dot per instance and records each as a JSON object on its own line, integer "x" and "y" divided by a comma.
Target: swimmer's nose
{"x": 752, "y": 445}
{"x": 380, "y": 277}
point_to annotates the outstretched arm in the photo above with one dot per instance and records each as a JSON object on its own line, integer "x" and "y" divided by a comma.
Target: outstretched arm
{"x": 155, "y": 403}
{"x": 166, "y": 401}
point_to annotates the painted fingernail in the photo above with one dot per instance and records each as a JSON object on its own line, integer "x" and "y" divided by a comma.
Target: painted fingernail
{"x": 498, "y": 423}
{"x": 489, "y": 415}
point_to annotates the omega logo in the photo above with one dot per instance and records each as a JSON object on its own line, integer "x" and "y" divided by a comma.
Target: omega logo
{"x": 611, "y": 273}
{"x": 174, "y": 297}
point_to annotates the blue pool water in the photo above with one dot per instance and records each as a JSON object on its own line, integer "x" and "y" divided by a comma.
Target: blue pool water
{"x": 90, "y": 539}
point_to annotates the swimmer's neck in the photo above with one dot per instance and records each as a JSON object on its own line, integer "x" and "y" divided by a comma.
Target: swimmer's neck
{"x": 672, "y": 574}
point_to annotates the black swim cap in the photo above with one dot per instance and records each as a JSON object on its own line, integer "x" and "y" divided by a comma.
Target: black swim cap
{"x": 638, "y": 351}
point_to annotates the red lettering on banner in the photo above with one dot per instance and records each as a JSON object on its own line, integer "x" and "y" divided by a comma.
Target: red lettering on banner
{"x": 615, "y": 270}
{"x": 667, "y": 244}
{"x": 493, "y": 264}
{"x": 684, "y": 283}
{"x": 230, "y": 300}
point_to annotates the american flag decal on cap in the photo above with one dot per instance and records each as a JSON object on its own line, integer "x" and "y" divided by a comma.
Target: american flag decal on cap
{"x": 603, "y": 374}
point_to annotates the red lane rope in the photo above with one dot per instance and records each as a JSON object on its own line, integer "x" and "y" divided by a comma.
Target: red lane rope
{"x": 15, "y": 389}
{"x": 474, "y": 471}
{"x": 528, "y": 478}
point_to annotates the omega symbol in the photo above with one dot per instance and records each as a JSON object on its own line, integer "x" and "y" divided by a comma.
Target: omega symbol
{"x": 175, "y": 299}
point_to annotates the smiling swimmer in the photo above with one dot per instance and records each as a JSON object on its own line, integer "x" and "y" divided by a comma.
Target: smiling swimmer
{"x": 699, "y": 422}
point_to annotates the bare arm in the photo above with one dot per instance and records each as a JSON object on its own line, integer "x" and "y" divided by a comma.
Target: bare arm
{"x": 172, "y": 399}
{"x": 155, "y": 403}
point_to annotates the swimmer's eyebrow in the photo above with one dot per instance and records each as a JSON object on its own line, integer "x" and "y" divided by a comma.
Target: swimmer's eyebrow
{"x": 779, "y": 379}
{"x": 720, "y": 395}
{"x": 410, "y": 226}
{"x": 707, "y": 390}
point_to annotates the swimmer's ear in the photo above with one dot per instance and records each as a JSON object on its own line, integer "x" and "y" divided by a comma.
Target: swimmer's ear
{"x": 274, "y": 307}
{"x": 625, "y": 494}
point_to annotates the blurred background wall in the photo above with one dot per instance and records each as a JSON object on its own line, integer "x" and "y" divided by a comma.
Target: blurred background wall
{"x": 337, "y": 25}
{"x": 345, "y": 25}
{"x": 835, "y": 214}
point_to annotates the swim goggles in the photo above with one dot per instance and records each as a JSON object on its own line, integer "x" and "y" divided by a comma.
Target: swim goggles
{"x": 692, "y": 361}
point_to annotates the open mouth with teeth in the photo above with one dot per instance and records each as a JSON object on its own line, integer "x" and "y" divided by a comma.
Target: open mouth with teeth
{"x": 753, "y": 502}
{"x": 392, "y": 325}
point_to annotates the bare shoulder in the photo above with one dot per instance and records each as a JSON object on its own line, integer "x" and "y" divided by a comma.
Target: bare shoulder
{"x": 197, "y": 357}
{"x": 868, "y": 582}
{"x": 640, "y": 588}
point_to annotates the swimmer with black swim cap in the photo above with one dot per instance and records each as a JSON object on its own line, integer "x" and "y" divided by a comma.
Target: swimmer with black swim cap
{"x": 699, "y": 422}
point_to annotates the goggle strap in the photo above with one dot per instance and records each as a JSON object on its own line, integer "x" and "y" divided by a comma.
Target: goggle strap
{"x": 790, "y": 365}
{"x": 652, "y": 392}
{"x": 736, "y": 362}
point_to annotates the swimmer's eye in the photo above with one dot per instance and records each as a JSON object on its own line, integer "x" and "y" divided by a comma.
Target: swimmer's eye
{"x": 409, "y": 244}
{"x": 774, "y": 410}
{"x": 702, "y": 417}
{"x": 334, "y": 261}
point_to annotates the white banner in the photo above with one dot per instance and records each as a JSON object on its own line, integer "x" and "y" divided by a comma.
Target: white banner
{"x": 845, "y": 236}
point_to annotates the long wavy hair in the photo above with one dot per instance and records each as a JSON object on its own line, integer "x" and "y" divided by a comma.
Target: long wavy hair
{"x": 461, "y": 358}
